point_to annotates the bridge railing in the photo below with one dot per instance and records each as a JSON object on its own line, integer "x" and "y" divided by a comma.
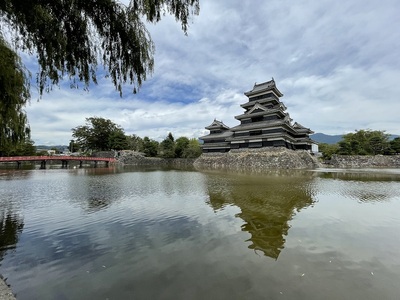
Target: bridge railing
{"x": 77, "y": 158}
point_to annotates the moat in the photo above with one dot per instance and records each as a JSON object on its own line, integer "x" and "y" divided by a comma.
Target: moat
{"x": 134, "y": 233}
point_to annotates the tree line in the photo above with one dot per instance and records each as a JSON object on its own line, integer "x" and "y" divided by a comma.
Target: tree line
{"x": 362, "y": 142}
{"x": 99, "y": 134}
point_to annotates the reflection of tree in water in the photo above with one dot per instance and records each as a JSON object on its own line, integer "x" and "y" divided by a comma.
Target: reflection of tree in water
{"x": 94, "y": 193}
{"x": 362, "y": 175}
{"x": 267, "y": 204}
{"x": 14, "y": 174}
{"x": 364, "y": 186}
{"x": 10, "y": 228}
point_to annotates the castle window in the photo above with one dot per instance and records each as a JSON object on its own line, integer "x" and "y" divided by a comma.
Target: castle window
{"x": 268, "y": 95}
{"x": 257, "y": 119}
{"x": 255, "y": 132}
{"x": 215, "y": 131}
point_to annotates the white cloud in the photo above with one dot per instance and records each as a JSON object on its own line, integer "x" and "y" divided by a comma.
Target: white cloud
{"x": 336, "y": 64}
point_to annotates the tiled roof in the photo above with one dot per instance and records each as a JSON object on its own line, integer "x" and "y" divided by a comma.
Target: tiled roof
{"x": 300, "y": 127}
{"x": 271, "y": 111}
{"x": 268, "y": 136}
{"x": 217, "y": 125}
{"x": 262, "y": 124}
{"x": 264, "y": 101}
{"x": 223, "y": 134}
{"x": 265, "y": 86}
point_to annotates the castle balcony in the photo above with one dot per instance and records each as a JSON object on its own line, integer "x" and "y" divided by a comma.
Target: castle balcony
{"x": 216, "y": 144}
{"x": 216, "y": 136}
{"x": 271, "y": 100}
{"x": 216, "y": 147}
{"x": 305, "y": 140}
{"x": 259, "y": 125}
{"x": 262, "y": 137}
{"x": 277, "y": 112}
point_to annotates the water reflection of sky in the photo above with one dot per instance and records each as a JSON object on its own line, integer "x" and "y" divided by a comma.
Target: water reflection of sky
{"x": 85, "y": 234}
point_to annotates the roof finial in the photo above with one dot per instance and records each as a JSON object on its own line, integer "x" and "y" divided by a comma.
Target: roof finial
{"x": 273, "y": 79}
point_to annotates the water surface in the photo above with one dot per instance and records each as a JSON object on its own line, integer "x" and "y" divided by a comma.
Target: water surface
{"x": 169, "y": 234}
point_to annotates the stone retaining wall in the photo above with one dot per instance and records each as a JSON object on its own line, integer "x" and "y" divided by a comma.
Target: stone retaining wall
{"x": 134, "y": 158}
{"x": 367, "y": 161}
{"x": 107, "y": 154}
{"x": 5, "y": 291}
{"x": 257, "y": 160}
{"x": 240, "y": 159}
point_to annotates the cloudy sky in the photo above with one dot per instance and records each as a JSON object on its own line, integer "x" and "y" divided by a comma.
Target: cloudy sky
{"x": 336, "y": 62}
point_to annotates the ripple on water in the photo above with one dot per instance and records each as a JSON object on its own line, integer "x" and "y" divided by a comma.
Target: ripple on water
{"x": 88, "y": 235}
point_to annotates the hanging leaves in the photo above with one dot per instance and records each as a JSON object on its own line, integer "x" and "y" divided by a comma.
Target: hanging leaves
{"x": 71, "y": 37}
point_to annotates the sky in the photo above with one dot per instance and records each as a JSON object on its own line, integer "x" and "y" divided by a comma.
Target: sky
{"x": 336, "y": 62}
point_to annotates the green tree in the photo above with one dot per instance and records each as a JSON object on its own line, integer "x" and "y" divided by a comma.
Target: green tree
{"x": 379, "y": 144}
{"x": 117, "y": 140}
{"x": 98, "y": 134}
{"x": 193, "y": 149}
{"x": 395, "y": 145}
{"x": 180, "y": 145}
{"x": 70, "y": 38}
{"x": 135, "y": 143}
{"x": 73, "y": 147}
{"x": 167, "y": 147}
{"x": 23, "y": 148}
{"x": 28, "y": 148}
{"x": 328, "y": 150}
{"x": 350, "y": 147}
{"x": 364, "y": 142}
{"x": 14, "y": 94}
{"x": 150, "y": 147}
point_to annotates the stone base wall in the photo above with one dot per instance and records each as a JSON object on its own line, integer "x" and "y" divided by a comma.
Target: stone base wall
{"x": 134, "y": 158}
{"x": 107, "y": 154}
{"x": 367, "y": 161}
{"x": 258, "y": 160}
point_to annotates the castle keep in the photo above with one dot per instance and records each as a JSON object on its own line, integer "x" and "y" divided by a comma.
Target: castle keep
{"x": 264, "y": 123}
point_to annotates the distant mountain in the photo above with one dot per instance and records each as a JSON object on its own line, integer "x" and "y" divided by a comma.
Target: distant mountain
{"x": 333, "y": 139}
{"x": 325, "y": 138}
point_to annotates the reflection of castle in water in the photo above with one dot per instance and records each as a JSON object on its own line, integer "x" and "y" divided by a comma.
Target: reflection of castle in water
{"x": 267, "y": 205}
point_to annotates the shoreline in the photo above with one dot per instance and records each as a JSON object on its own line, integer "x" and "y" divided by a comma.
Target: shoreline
{"x": 259, "y": 159}
{"x": 5, "y": 291}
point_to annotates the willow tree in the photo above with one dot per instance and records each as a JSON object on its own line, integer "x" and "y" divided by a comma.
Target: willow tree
{"x": 14, "y": 93}
{"x": 70, "y": 38}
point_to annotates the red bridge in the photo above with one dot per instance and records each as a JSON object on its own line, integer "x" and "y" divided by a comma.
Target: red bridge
{"x": 64, "y": 159}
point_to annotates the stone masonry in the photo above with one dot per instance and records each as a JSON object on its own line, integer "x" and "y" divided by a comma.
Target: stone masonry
{"x": 257, "y": 160}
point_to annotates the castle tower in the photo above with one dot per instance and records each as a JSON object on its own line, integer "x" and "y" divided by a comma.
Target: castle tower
{"x": 264, "y": 123}
{"x": 216, "y": 140}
